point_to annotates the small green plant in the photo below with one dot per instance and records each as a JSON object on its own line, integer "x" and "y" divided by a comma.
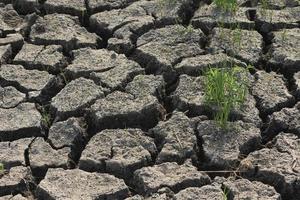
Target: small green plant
{"x": 46, "y": 117}
{"x": 1, "y": 167}
{"x": 230, "y": 6}
{"x": 237, "y": 38}
{"x": 225, "y": 193}
{"x": 283, "y": 35}
{"x": 225, "y": 89}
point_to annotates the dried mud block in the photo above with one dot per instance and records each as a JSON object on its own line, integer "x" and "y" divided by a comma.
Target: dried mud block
{"x": 33, "y": 82}
{"x": 10, "y": 21}
{"x": 16, "y": 197}
{"x": 77, "y": 184}
{"x": 288, "y": 119}
{"x": 118, "y": 77}
{"x": 64, "y": 30}
{"x": 69, "y": 133}
{"x": 284, "y": 51}
{"x": 19, "y": 122}
{"x": 176, "y": 139}
{"x": 10, "y": 97}
{"x": 71, "y": 7}
{"x": 14, "y": 180}
{"x": 13, "y": 153}
{"x": 45, "y": 58}
{"x": 103, "y": 60}
{"x": 143, "y": 85}
{"x": 271, "y": 20}
{"x": 118, "y": 151}
{"x": 176, "y": 177}
{"x": 26, "y": 6}
{"x": 222, "y": 148}
{"x": 280, "y": 4}
{"x": 162, "y": 194}
{"x": 160, "y": 49}
{"x": 42, "y": 156}
{"x": 95, "y": 6}
{"x": 209, "y": 16}
{"x": 198, "y": 65}
{"x": 121, "y": 110}
{"x": 206, "y": 192}
{"x": 125, "y": 25}
{"x": 271, "y": 92}
{"x": 242, "y": 44}
{"x": 15, "y": 40}
{"x": 277, "y": 166}
{"x": 73, "y": 99}
{"x": 5, "y": 53}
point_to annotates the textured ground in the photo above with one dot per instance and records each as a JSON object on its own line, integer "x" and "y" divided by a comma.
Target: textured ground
{"x": 103, "y": 99}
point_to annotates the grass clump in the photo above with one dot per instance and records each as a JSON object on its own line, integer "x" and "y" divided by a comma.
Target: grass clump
{"x": 225, "y": 89}
{"x": 227, "y": 5}
{"x": 1, "y": 167}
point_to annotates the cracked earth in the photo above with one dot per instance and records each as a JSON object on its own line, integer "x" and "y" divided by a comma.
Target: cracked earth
{"x": 104, "y": 99}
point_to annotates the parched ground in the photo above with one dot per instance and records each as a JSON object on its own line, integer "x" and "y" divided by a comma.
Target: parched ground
{"x": 104, "y": 99}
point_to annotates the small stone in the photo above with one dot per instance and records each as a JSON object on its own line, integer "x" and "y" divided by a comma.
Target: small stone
{"x": 277, "y": 166}
{"x": 284, "y": 50}
{"x": 120, "y": 110}
{"x": 176, "y": 177}
{"x": 5, "y": 53}
{"x": 143, "y": 85}
{"x": 46, "y": 58}
{"x": 64, "y": 30}
{"x": 67, "y": 133}
{"x": 75, "y": 97}
{"x": 10, "y": 97}
{"x": 73, "y": 184}
{"x": 12, "y": 153}
{"x": 176, "y": 139}
{"x": 223, "y": 148}
{"x": 19, "y": 122}
{"x": 242, "y": 44}
{"x": 271, "y": 92}
{"x": 118, "y": 151}
{"x": 42, "y": 156}
{"x": 14, "y": 180}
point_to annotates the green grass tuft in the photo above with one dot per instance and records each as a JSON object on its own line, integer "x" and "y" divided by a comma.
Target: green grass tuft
{"x": 227, "y": 5}
{"x": 1, "y": 167}
{"x": 225, "y": 89}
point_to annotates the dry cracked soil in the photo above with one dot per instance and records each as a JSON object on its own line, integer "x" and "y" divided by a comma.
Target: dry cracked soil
{"x": 104, "y": 100}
